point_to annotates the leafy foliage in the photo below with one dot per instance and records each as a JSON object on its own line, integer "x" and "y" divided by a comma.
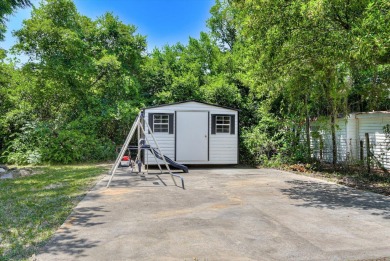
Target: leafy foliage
{"x": 79, "y": 89}
{"x": 281, "y": 63}
{"x": 7, "y": 7}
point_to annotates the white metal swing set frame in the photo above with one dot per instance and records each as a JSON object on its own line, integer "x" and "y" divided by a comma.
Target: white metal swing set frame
{"x": 138, "y": 126}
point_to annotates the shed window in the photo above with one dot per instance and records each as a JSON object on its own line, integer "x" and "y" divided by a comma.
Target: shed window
{"x": 161, "y": 123}
{"x": 222, "y": 124}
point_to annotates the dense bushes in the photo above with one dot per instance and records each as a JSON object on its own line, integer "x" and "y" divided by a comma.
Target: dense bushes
{"x": 86, "y": 80}
{"x": 38, "y": 142}
{"x": 77, "y": 94}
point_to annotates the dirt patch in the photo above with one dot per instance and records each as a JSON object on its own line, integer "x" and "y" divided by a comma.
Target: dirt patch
{"x": 246, "y": 183}
{"x": 68, "y": 223}
{"x": 233, "y": 202}
{"x": 174, "y": 213}
{"x": 118, "y": 191}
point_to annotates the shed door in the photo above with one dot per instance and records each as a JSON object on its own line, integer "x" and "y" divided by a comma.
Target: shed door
{"x": 192, "y": 136}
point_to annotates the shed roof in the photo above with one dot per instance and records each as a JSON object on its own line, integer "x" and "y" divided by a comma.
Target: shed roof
{"x": 169, "y": 104}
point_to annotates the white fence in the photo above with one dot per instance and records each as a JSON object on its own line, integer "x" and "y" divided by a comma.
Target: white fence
{"x": 351, "y": 138}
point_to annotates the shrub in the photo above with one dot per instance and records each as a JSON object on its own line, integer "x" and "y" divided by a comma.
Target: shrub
{"x": 44, "y": 142}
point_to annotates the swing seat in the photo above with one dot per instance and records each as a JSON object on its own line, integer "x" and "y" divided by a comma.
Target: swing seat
{"x": 125, "y": 162}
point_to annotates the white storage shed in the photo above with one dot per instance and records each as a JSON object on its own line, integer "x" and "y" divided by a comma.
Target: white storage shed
{"x": 194, "y": 132}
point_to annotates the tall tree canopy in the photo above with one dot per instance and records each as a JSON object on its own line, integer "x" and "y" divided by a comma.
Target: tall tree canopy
{"x": 79, "y": 88}
{"x": 7, "y": 7}
{"x": 282, "y": 63}
{"x": 307, "y": 59}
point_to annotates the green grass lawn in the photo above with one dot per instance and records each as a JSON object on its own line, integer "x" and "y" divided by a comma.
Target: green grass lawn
{"x": 33, "y": 207}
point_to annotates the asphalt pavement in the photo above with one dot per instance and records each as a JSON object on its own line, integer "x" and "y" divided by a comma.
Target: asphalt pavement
{"x": 224, "y": 214}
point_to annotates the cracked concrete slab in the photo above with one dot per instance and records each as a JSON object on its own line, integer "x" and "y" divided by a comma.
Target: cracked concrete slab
{"x": 224, "y": 214}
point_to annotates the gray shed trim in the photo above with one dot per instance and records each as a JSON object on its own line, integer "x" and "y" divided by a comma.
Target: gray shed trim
{"x": 169, "y": 104}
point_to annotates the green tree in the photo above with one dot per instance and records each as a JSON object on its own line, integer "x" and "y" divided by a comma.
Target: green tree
{"x": 221, "y": 24}
{"x": 84, "y": 89}
{"x": 7, "y": 7}
{"x": 302, "y": 51}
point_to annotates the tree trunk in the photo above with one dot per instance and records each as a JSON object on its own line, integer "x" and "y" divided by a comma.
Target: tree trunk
{"x": 307, "y": 130}
{"x": 333, "y": 110}
{"x": 334, "y": 143}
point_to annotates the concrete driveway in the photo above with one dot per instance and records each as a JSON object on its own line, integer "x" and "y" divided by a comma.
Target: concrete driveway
{"x": 224, "y": 214}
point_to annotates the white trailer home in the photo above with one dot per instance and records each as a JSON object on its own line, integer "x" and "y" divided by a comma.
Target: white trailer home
{"x": 350, "y": 137}
{"x": 193, "y": 132}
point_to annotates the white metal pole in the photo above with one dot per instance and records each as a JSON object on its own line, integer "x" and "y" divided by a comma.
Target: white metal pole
{"x": 123, "y": 150}
{"x": 154, "y": 155}
{"x": 162, "y": 155}
{"x": 139, "y": 146}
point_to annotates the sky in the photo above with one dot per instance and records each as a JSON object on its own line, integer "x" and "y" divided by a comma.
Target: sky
{"x": 162, "y": 21}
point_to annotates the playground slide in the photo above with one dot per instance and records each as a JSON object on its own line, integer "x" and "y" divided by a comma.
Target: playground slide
{"x": 169, "y": 161}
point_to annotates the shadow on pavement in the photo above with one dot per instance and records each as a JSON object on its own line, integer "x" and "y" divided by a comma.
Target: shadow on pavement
{"x": 66, "y": 239}
{"x": 331, "y": 196}
{"x": 125, "y": 179}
